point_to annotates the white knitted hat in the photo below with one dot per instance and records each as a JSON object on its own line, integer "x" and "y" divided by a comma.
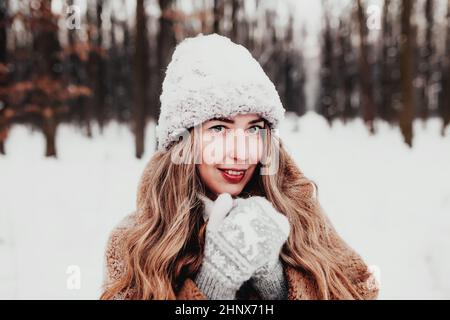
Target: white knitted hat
{"x": 210, "y": 76}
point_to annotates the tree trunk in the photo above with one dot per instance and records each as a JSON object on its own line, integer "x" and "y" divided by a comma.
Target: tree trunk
{"x": 49, "y": 128}
{"x": 406, "y": 57}
{"x": 165, "y": 43}
{"x": 367, "y": 100}
{"x": 345, "y": 69}
{"x": 96, "y": 66}
{"x": 445, "y": 103}
{"x": 78, "y": 73}
{"x": 3, "y": 122}
{"x": 99, "y": 85}
{"x": 3, "y": 15}
{"x": 326, "y": 104}
{"x": 235, "y": 7}
{"x": 427, "y": 60}
{"x": 140, "y": 80}
{"x": 46, "y": 45}
{"x": 387, "y": 87}
{"x": 218, "y": 13}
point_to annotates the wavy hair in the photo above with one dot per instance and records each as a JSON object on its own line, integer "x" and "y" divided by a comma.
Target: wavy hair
{"x": 166, "y": 244}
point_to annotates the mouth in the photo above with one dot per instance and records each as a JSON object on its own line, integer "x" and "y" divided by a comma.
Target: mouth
{"x": 232, "y": 175}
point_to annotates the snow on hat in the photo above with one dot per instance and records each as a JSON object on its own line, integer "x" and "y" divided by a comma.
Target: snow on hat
{"x": 210, "y": 76}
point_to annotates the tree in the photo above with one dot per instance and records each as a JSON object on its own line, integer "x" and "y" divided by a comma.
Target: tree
{"x": 326, "y": 103}
{"x": 426, "y": 66}
{"x": 76, "y": 55}
{"x": 444, "y": 105}
{"x": 236, "y": 7}
{"x": 38, "y": 93}
{"x": 3, "y": 74}
{"x": 96, "y": 63}
{"x": 140, "y": 67}
{"x": 388, "y": 65}
{"x": 346, "y": 68}
{"x": 217, "y": 15}
{"x": 406, "y": 60}
{"x": 367, "y": 100}
{"x": 166, "y": 41}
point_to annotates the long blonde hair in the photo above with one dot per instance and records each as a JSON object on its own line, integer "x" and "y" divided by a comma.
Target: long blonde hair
{"x": 166, "y": 244}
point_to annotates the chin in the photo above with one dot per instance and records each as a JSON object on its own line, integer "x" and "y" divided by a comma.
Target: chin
{"x": 232, "y": 190}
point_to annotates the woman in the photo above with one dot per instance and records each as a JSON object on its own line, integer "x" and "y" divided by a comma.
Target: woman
{"x": 223, "y": 212}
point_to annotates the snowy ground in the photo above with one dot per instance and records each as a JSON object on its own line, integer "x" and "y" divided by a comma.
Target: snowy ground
{"x": 390, "y": 203}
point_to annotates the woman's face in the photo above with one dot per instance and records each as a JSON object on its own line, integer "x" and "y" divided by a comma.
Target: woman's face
{"x": 231, "y": 150}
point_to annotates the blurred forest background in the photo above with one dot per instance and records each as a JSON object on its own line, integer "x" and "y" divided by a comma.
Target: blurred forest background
{"x": 91, "y": 62}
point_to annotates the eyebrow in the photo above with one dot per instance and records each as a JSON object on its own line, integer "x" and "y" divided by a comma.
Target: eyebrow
{"x": 228, "y": 120}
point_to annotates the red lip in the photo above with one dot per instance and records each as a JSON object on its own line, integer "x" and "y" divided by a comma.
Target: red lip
{"x": 230, "y": 178}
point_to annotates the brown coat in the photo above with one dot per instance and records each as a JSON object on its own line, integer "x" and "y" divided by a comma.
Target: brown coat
{"x": 300, "y": 286}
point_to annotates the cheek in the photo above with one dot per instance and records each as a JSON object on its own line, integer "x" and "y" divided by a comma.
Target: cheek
{"x": 251, "y": 172}
{"x": 206, "y": 173}
{"x": 255, "y": 150}
{"x": 212, "y": 150}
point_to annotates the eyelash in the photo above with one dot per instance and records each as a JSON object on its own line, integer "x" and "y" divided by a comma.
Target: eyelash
{"x": 222, "y": 126}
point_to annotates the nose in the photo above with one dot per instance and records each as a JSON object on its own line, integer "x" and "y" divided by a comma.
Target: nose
{"x": 237, "y": 146}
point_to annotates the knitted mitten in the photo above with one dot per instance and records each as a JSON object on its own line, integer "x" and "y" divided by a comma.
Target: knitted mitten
{"x": 237, "y": 242}
{"x": 269, "y": 279}
{"x": 271, "y": 283}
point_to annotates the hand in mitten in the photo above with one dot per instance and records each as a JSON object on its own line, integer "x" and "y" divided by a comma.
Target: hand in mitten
{"x": 269, "y": 279}
{"x": 235, "y": 247}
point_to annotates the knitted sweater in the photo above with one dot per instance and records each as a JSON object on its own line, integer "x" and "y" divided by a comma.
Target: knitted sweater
{"x": 300, "y": 285}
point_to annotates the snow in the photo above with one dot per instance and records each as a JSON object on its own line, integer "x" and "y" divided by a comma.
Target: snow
{"x": 57, "y": 213}
{"x": 389, "y": 202}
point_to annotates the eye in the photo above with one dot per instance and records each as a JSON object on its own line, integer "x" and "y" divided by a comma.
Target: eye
{"x": 218, "y": 129}
{"x": 254, "y": 129}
